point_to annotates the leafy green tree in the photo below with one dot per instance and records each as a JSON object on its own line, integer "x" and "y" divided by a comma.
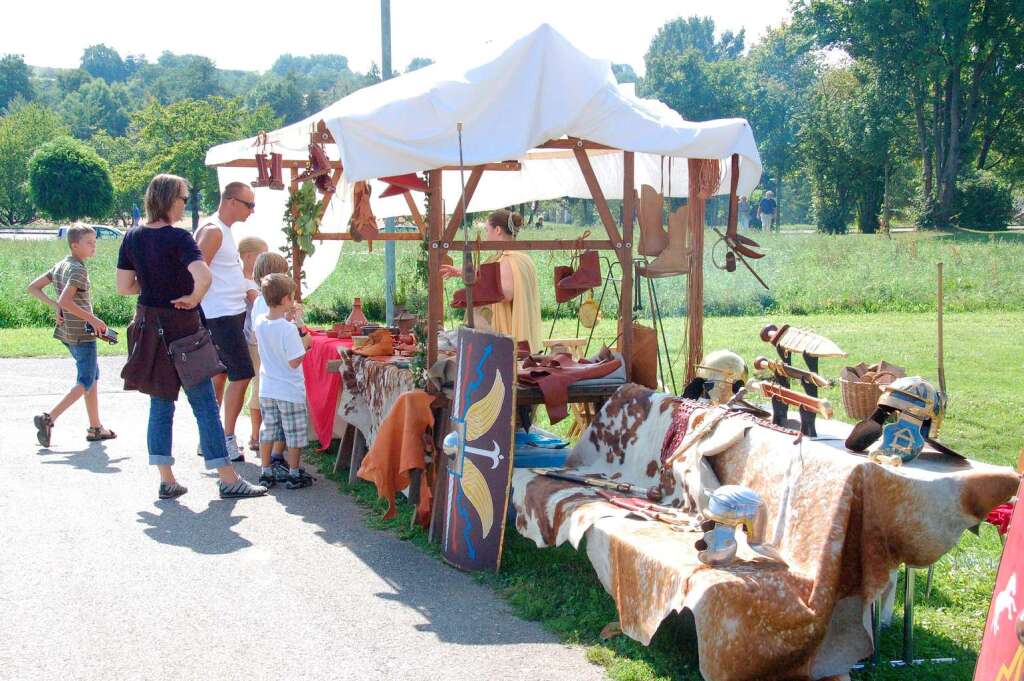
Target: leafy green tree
{"x": 322, "y": 70}
{"x": 127, "y": 163}
{"x": 695, "y": 33}
{"x": 14, "y": 80}
{"x": 71, "y": 80}
{"x": 185, "y": 76}
{"x": 952, "y": 61}
{"x": 97, "y": 106}
{"x": 825, "y": 145}
{"x": 100, "y": 61}
{"x": 175, "y": 139}
{"x": 782, "y": 72}
{"x": 418, "y": 63}
{"x": 68, "y": 180}
{"x": 23, "y": 130}
{"x": 291, "y": 97}
{"x": 624, "y": 73}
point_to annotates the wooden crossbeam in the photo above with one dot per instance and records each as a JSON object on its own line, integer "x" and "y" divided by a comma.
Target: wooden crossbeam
{"x": 599, "y": 201}
{"x": 511, "y": 166}
{"x": 536, "y": 245}
{"x": 417, "y": 218}
{"x": 467, "y": 194}
{"x": 251, "y": 163}
{"x": 573, "y": 143}
{"x": 382, "y": 236}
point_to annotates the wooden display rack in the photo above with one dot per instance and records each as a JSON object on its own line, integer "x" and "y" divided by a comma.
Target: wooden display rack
{"x": 440, "y": 236}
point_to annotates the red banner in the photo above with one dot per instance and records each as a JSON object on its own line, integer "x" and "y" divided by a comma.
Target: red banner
{"x": 1002, "y": 647}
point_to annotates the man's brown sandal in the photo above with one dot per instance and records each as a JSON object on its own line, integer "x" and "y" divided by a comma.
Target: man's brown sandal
{"x": 98, "y": 433}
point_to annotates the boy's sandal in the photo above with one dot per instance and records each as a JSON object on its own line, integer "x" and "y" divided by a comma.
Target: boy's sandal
{"x": 98, "y": 433}
{"x": 44, "y": 428}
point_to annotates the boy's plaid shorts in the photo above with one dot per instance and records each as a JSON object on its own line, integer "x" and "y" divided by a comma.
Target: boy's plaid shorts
{"x": 284, "y": 421}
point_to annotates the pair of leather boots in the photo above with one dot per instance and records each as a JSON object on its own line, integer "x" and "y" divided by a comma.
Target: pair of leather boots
{"x": 570, "y": 283}
{"x": 670, "y": 250}
{"x": 268, "y": 171}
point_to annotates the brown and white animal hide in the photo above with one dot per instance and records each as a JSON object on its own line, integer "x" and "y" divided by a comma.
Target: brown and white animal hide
{"x": 369, "y": 390}
{"x": 841, "y": 522}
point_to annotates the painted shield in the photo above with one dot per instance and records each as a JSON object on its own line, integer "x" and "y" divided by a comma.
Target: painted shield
{"x": 1002, "y": 647}
{"x": 480, "y": 451}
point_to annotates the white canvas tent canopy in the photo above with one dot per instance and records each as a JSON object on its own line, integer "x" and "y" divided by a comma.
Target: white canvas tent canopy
{"x": 511, "y": 98}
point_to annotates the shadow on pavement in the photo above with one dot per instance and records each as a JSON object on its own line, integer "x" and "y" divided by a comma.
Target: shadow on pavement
{"x": 208, "y": 531}
{"x": 93, "y": 459}
{"x": 449, "y": 600}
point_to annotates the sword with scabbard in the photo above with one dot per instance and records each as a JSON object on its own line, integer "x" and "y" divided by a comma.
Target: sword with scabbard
{"x": 652, "y": 493}
{"x": 780, "y": 368}
{"x": 816, "y": 405}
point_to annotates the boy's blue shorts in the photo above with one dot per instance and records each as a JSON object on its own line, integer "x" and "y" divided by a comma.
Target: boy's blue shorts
{"x": 85, "y": 362}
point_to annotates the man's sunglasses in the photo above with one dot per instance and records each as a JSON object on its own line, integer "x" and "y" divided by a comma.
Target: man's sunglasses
{"x": 250, "y": 204}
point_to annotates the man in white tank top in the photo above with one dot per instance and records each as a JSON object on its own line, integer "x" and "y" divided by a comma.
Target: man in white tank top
{"x": 224, "y": 304}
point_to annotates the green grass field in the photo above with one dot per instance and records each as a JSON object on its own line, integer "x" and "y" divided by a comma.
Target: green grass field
{"x": 826, "y": 283}
{"x": 807, "y": 273}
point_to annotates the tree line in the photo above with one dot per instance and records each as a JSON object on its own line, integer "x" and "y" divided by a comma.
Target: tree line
{"x": 864, "y": 111}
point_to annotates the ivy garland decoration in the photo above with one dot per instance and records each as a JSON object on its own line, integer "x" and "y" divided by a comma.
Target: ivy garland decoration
{"x": 302, "y": 218}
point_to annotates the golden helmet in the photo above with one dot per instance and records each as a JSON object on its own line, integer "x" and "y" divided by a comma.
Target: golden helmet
{"x": 917, "y": 397}
{"x": 722, "y": 365}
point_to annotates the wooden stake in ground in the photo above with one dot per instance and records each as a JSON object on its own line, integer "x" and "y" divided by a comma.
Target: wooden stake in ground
{"x": 939, "y": 352}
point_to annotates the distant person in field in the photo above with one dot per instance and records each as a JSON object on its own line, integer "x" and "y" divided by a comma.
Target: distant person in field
{"x": 743, "y": 213}
{"x": 77, "y": 328}
{"x": 767, "y": 211}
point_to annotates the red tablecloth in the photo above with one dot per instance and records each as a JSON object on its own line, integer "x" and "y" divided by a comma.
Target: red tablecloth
{"x": 322, "y": 386}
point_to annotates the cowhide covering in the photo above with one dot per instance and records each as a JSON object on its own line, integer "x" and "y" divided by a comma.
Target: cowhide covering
{"x": 841, "y": 523}
{"x": 370, "y": 389}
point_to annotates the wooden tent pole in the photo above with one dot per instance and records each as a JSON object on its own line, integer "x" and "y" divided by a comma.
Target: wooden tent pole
{"x": 626, "y": 258}
{"x": 435, "y": 284}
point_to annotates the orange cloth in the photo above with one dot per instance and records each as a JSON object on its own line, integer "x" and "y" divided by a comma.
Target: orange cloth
{"x": 398, "y": 449}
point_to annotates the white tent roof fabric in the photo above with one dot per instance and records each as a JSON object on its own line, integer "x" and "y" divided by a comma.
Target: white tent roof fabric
{"x": 510, "y": 98}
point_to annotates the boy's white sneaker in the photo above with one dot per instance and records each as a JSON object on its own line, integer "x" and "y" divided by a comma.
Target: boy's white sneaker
{"x": 234, "y": 453}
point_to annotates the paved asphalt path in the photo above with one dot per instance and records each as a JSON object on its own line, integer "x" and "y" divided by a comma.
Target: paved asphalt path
{"x": 100, "y": 580}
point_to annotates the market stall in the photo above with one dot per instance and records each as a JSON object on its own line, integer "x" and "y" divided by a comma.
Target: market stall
{"x": 537, "y": 119}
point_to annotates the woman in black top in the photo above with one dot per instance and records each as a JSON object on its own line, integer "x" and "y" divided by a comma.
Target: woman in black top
{"x": 163, "y": 266}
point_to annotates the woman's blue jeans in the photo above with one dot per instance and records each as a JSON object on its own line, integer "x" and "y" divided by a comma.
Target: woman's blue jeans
{"x": 211, "y": 432}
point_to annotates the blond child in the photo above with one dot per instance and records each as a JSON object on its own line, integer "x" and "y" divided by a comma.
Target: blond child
{"x": 73, "y": 308}
{"x": 282, "y": 345}
{"x": 249, "y": 250}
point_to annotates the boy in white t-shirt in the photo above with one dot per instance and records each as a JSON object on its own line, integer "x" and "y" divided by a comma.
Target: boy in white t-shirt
{"x": 282, "y": 388}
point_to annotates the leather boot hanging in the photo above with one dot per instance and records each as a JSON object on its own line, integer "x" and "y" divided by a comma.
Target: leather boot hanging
{"x": 363, "y": 223}
{"x": 262, "y": 172}
{"x": 486, "y": 290}
{"x": 586, "y": 276}
{"x": 276, "y": 178}
{"x": 675, "y": 258}
{"x": 653, "y": 238}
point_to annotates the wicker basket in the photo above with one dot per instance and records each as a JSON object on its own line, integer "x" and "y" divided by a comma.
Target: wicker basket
{"x": 859, "y": 398}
